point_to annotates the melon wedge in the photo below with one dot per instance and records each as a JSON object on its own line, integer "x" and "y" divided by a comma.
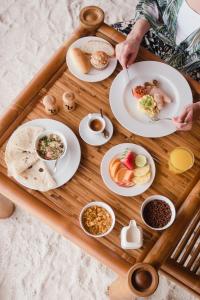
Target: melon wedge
{"x": 113, "y": 161}
{"x": 114, "y": 167}
{"x": 141, "y": 171}
{"x": 142, "y": 179}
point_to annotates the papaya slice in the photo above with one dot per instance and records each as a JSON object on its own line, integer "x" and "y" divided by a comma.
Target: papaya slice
{"x": 124, "y": 177}
{"x": 128, "y": 176}
{"x": 121, "y": 173}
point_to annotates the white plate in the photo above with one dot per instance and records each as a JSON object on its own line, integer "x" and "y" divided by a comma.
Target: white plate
{"x": 94, "y": 139}
{"x": 124, "y": 105}
{"x": 68, "y": 165}
{"x": 94, "y": 75}
{"x": 115, "y": 151}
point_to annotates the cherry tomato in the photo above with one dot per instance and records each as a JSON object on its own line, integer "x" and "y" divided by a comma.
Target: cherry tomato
{"x": 139, "y": 91}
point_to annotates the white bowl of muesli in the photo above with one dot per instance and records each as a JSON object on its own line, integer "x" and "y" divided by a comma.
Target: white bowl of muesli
{"x": 51, "y": 145}
{"x": 97, "y": 219}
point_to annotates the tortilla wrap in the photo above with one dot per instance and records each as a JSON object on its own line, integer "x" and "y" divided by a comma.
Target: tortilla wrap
{"x": 38, "y": 177}
{"x": 24, "y": 138}
{"x": 20, "y": 160}
{"x": 23, "y": 162}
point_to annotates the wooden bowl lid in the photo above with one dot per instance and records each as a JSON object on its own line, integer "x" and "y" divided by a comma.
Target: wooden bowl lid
{"x": 147, "y": 283}
{"x": 91, "y": 17}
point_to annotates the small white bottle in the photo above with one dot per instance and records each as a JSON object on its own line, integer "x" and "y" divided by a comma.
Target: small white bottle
{"x": 131, "y": 236}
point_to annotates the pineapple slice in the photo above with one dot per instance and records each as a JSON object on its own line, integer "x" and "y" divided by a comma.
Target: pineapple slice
{"x": 141, "y": 171}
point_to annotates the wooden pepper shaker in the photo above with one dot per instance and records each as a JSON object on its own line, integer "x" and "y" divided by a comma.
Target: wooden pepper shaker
{"x": 68, "y": 101}
{"x": 50, "y": 105}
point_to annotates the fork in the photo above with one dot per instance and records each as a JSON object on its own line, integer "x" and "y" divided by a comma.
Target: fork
{"x": 55, "y": 166}
{"x": 155, "y": 119}
{"x": 127, "y": 73}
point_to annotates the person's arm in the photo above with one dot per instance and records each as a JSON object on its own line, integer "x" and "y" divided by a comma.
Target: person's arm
{"x": 189, "y": 115}
{"x": 127, "y": 51}
{"x": 149, "y": 10}
{"x": 147, "y": 13}
{"x": 140, "y": 28}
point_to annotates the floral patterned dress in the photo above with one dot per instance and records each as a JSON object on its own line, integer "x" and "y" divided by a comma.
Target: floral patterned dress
{"x": 161, "y": 38}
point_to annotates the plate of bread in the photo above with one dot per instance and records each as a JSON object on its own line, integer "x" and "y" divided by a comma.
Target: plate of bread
{"x": 26, "y": 154}
{"x": 91, "y": 59}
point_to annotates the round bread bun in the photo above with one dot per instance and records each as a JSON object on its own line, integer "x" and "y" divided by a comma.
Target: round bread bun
{"x": 80, "y": 60}
{"x": 99, "y": 60}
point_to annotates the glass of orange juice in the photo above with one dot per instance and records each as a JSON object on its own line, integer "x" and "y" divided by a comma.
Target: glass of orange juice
{"x": 181, "y": 159}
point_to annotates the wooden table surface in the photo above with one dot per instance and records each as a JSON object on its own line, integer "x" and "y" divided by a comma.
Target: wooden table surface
{"x": 60, "y": 208}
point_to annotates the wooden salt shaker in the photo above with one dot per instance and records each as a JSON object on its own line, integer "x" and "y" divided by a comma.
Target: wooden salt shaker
{"x": 68, "y": 101}
{"x": 50, "y": 105}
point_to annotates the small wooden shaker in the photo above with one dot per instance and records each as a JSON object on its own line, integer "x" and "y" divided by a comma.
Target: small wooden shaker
{"x": 68, "y": 101}
{"x": 50, "y": 105}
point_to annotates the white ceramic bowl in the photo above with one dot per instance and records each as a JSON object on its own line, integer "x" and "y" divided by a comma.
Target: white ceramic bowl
{"x": 47, "y": 132}
{"x": 166, "y": 200}
{"x": 101, "y": 204}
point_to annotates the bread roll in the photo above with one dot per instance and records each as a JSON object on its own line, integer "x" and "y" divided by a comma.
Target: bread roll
{"x": 80, "y": 60}
{"x": 99, "y": 60}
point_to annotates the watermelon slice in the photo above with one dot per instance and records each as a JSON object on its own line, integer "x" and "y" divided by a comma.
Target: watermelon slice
{"x": 128, "y": 159}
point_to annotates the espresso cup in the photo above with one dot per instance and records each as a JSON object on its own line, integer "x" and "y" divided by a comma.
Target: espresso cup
{"x": 96, "y": 124}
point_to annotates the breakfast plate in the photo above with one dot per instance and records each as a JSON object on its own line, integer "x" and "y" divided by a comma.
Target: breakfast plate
{"x": 90, "y": 138}
{"x": 116, "y": 152}
{"x": 125, "y": 106}
{"x": 94, "y": 75}
{"x": 66, "y": 165}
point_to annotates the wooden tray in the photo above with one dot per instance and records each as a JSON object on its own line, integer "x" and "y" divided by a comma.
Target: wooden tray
{"x": 60, "y": 208}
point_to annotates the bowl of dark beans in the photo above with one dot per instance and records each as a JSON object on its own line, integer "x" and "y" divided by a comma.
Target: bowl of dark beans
{"x": 158, "y": 212}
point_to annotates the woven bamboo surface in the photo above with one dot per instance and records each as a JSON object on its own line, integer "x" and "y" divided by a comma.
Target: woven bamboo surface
{"x": 87, "y": 184}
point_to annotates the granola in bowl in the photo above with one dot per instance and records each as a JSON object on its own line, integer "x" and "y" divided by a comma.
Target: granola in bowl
{"x": 97, "y": 219}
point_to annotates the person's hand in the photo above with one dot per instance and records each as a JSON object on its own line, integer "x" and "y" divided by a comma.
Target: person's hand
{"x": 189, "y": 115}
{"x": 127, "y": 51}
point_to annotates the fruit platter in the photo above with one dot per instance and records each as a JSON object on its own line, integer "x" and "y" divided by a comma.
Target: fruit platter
{"x": 128, "y": 169}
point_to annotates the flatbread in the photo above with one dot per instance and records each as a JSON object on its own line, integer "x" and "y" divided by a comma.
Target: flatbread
{"x": 24, "y": 138}
{"x": 20, "y": 150}
{"x": 23, "y": 162}
{"x": 38, "y": 177}
{"x": 20, "y": 160}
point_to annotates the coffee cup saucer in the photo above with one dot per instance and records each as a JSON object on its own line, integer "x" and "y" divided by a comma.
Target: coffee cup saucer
{"x": 91, "y": 138}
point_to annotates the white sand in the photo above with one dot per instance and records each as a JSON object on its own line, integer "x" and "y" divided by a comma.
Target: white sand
{"x": 35, "y": 262}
